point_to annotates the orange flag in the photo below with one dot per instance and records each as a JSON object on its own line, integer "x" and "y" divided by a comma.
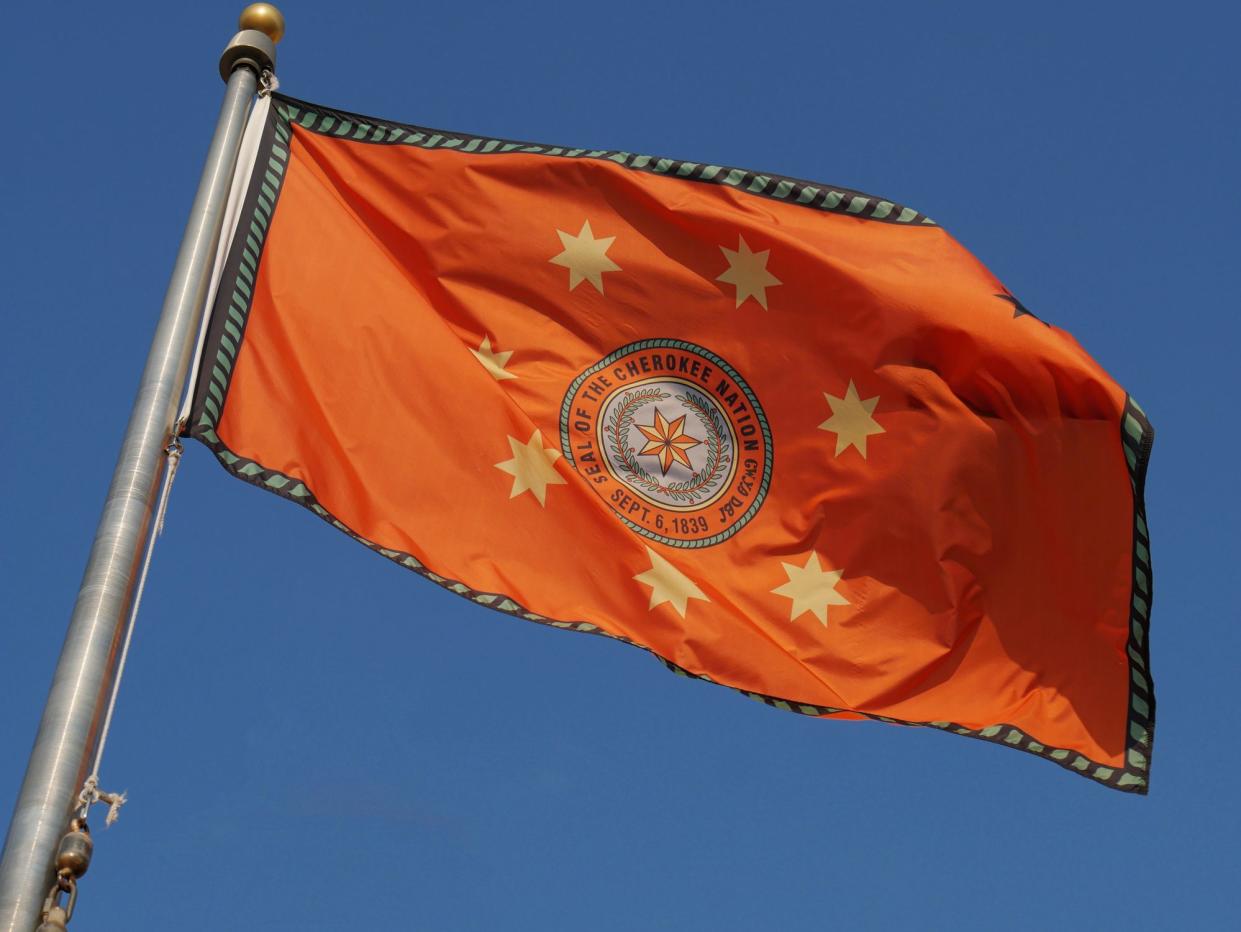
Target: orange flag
{"x": 790, "y": 438}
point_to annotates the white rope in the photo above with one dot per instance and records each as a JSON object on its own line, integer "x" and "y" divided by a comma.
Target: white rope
{"x": 247, "y": 154}
{"x": 91, "y": 793}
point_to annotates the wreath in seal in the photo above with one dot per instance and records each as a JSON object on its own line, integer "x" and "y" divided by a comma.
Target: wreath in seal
{"x": 703, "y": 483}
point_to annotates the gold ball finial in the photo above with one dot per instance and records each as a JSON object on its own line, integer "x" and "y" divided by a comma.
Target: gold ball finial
{"x": 264, "y": 18}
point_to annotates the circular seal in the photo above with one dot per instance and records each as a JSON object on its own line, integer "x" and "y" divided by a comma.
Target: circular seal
{"x": 672, "y": 439}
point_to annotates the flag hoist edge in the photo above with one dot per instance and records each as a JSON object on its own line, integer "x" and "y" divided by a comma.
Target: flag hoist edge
{"x": 228, "y": 324}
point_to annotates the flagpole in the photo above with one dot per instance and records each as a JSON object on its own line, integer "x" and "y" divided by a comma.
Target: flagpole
{"x": 68, "y": 731}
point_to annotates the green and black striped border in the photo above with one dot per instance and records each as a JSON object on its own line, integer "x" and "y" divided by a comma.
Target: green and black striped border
{"x": 227, "y": 329}
{"x": 1137, "y": 438}
{"x": 817, "y": 196}
{"x": 237, "y": 280}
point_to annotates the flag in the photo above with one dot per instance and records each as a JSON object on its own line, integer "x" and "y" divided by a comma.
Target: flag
{"x": 788, "y": 437}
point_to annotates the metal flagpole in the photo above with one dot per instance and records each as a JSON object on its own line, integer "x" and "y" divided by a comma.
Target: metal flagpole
{"x": 84, "y": 673}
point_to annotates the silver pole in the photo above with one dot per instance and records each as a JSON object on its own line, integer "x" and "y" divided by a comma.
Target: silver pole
{"x": 84, "y": 673}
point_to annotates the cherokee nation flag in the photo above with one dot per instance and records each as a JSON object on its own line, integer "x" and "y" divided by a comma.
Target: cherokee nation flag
{"x": 788, "y": 437}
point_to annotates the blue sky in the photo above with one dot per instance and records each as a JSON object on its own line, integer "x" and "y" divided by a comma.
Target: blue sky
{"x": 314, "y": 739}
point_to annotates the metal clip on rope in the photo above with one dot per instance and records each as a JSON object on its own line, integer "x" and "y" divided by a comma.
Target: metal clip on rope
{"x": 268, "y": 82}
{"x": 91, "y": 794}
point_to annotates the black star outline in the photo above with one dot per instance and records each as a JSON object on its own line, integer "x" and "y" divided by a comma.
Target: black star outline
{"x": 1019, "y": 309}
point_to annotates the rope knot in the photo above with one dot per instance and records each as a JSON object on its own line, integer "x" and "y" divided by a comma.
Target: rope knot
{"x": 91, "y": 794}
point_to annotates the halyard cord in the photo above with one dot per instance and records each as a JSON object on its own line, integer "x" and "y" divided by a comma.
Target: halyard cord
{"x": 244, "y": 171}
{"x": 91, "y": 793}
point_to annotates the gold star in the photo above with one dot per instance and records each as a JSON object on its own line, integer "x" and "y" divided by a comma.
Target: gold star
{"x": 585, "y": 257}
{"x": 669, "y": 584}
{"x": 667, "y": 441}
{"x": 492, "y": 361}
{"x": 851, "y": 420}
{"x": 748, "y": 271}
{"x": 531, "y": 467}
{"x": 811, "y": 589}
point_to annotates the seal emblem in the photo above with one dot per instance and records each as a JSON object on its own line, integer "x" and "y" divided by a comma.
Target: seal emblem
{"x": 672, "y": 439}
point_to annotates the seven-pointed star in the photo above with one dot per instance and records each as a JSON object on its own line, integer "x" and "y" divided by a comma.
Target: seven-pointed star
{"x": 531, "y": 467}
{"x": 748, "y": 271}
{"x": 669, "y": 584}
{"x": 1019, "y": 309}
{"x": 851, "y": 420}
{"x": 585, "y": 257}
{"x": 492, "y": 361}
{"x": 667, "y": 441}
{"x": 811, "y": 589}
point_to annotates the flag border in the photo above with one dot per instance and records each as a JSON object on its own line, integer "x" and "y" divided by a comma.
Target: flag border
{"x": 810, "y": 194}
{"x": 231, "y": 312}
